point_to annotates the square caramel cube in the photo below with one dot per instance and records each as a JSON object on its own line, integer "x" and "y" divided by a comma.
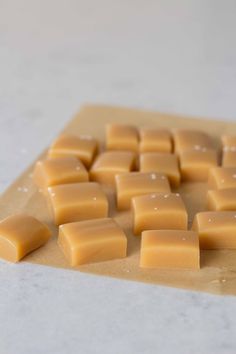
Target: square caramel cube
{"x": 161, "y": 163}
{"x": 155, "y": 140}
{"x": 170, "y": 249}
{"x": 132, "y": 184}
{"x": 91, "y": 241}
{"x": 77, "y": 201}
{"x": 159, "y": 211}
{"x": 195, "y": 164}
{"x": 221, "y": 199}
{"x": 62, "y": 170}
{"x": 229, "y": 158}
{"x": 222, "y": 178}
{"x": 216, "y": 229}
{"x": 110, "y": 163}
{"x": 185, "y": 139}
{"x": 83, "y": 147}
{"x": 229, "y": 142}
{"x": 122, "y": 137}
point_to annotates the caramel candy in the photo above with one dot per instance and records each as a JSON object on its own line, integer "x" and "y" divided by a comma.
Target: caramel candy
{"x": 222, "y": 178}
{"x": 110, "y": 163}
{"x": 229, "y": 158}
{"x": 155, "y": 140}
{"x": 55, "y": 171}
{"x": 21, "y": 234}
{"x": 122, "y": 137}
{"x": 92, "y": 241}
{"x": 170, "y": 249}
{"x": 195, "y": 164}
{"x": 216, "y": 229}
{"x": 221, "y": 199}
{"x": 77, "y": 201}
{"x": 83, "y": 147}
{"x": 229, "y": 142}
{"x": 159, "y": 211}
{"x": 191, "y": 140}
{"x": 132, "y": 184}
{"x": 162, "y": 163}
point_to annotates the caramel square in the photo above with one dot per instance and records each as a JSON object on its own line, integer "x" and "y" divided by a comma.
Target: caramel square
{"x": 122, "y": 137}
{"x": 155, "y": 140}
{"x": 129, "y": 185}
{"x": 222, "y": 178}
{"x": 170, "y": 249}
{"x": 229, "y": 158}
{"x": 77, "y": 201}
{"x": 161, "y": 163}
{"x": 62, "y": 170}
{"x": 110, "y": 163}
{"x": 83, "y": 147}
{"x": 195, "y": 164}
{"x": 185, "y": 139}
{"x": 91, "y": 241}
{"x": 21, "y": 234}
{"x": 216, "y": 229}
{"x": 221, "y": 199}
{"x": 228, "y": 141}
{"x": 159, "y": 211}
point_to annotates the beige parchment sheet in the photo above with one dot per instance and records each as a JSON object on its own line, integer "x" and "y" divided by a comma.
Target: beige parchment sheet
{"x": 218, "y": 268}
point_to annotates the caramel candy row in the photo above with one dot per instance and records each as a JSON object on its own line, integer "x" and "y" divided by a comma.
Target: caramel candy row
{"x": 21, "y": 234}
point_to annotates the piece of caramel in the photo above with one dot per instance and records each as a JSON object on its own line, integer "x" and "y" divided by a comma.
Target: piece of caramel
{"x": 132, "y": 184}
{"x": 162, "y": 163}
{"x": 21, "y": 234}
{"x": 170, "y": 249}
{"x": 229, "y": 158}
{"x": 159, "y": 211}
{"x": 222, "y": 178}
{"x": 185, "y": 139}
{"x": 155, "y": 140}
{"x": 122, "y": 137}
{"x": 221, "y": 199}
{"x": 77, "y": 201}
{"x": 90, "y": 241}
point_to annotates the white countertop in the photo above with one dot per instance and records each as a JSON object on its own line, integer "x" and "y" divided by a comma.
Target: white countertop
{"x": 173, "y": 56}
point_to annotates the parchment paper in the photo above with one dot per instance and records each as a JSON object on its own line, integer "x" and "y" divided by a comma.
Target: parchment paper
{"x": 218, "y": 268}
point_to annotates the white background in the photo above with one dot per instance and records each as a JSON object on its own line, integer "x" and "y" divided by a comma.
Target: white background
{"x": 172, "y": 56}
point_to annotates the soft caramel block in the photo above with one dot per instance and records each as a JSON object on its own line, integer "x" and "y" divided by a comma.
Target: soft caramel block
{"x": 83, "y": 147}
{"x": 221, "y": 199}
{"x": 216, "y": 229}
{"x": 185, "y": 139}
{"x": 222, "y": 178}
{"x": 122, "y": 137}
{"x": 229, "y": 158}
{"x": 62, "y": 170}
{"x": 77, "y": 201}
{"x": 159, "y": 211}
{"x": 161, "y": 163}
{"x": 155, "y": 140}
{"x": 229, "y": 142}
{"x": 21, "y": 234}
{"x": 91, "y": 241}
{"x": 110, "y": 163}
{"x": 170, "y": 249}
{"x": 195, "y": 164}
{"x": 132, "y": 184}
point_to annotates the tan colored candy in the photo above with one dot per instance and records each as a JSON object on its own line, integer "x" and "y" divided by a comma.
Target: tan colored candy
{"x": 221, "y": 199}
{"x": 191, "y": 140}
{"x": 55, "y": 171}
{"x": 155, "y": 140}
{"x": 129, "y": 185}
{"x": 159, "y": 211}
{"x": 229, "y": 141}
{"x": 122, "y": 137}
{"x": 170, "y": 249}
{"x": 92, "y": 241}
{"x": 21, "y": 234}
{"x": 195, "y": 164}
{"x": 77, "y": 201}
{"x": 83, "y": 147}
{"x": 111, "y": 163}
{"x": 161, "y": 163}
{"x": 222, "y": 178}
{"x": 217, "y": 229}
{"x": 229, "y": 158}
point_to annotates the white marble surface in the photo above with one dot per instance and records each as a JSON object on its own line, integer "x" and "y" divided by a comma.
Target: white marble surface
{"x": 174, "y": 56}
